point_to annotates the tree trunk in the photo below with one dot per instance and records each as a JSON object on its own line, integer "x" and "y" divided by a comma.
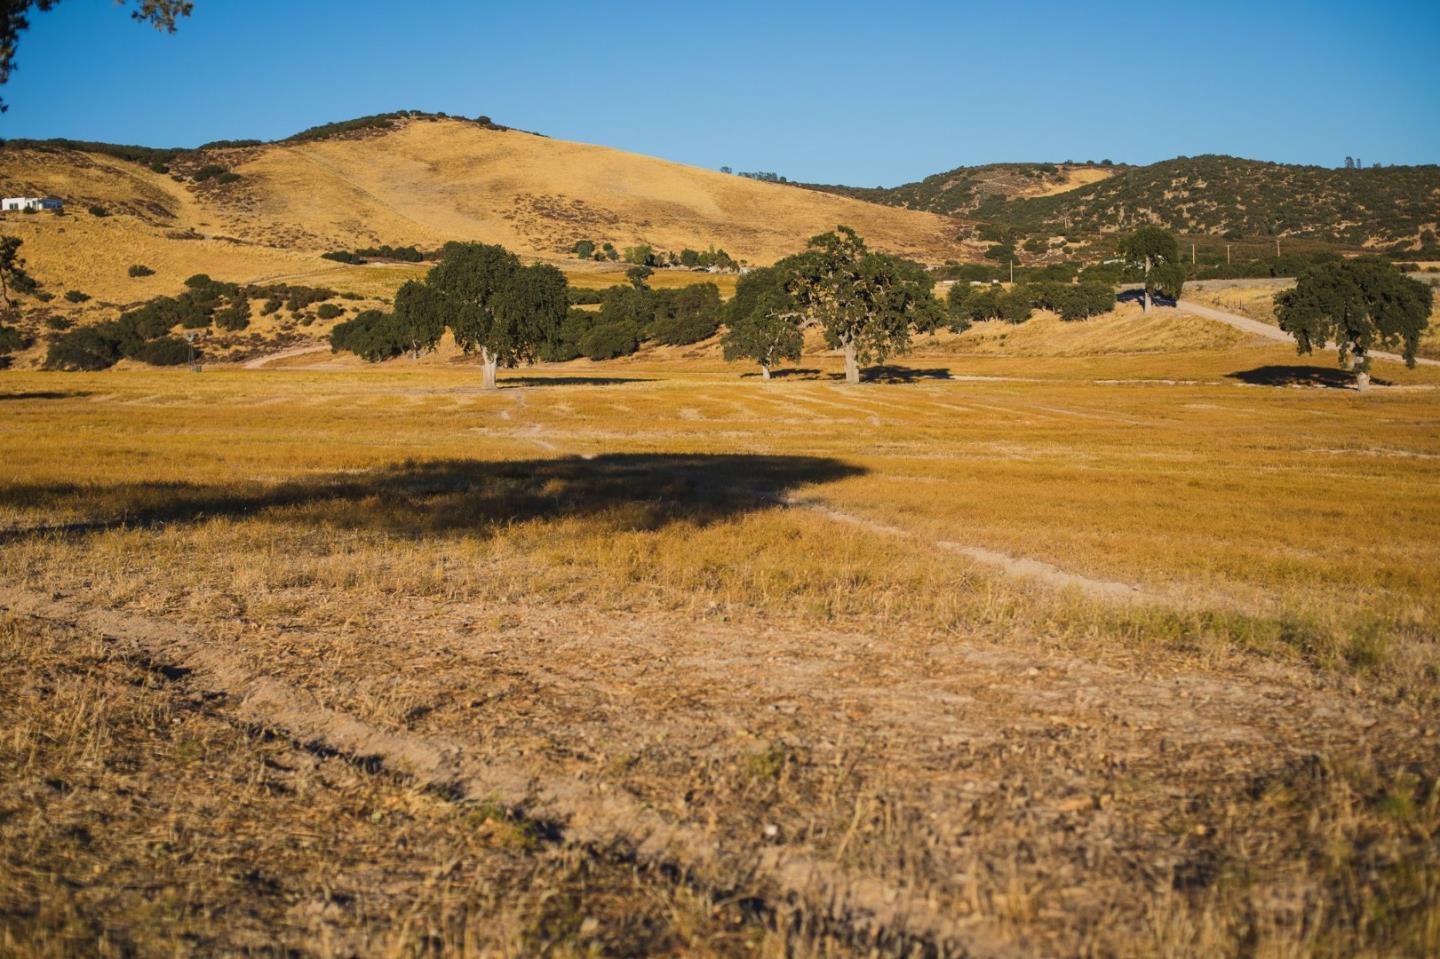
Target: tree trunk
{"x": 1147, "y": 285}
{"x": 852, "y": 365}
{"x": 1362, "y": 372}
{"x": 764, "y": 371}
{"x": 488, "y": 364}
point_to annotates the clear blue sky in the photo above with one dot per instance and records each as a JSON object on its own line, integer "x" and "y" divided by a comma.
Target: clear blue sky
{"x": 858, "y": 93}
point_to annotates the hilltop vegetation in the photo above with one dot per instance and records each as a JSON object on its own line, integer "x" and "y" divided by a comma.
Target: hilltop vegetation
{"x": 959, "y": 192}
{"x": 1221, "y": 195}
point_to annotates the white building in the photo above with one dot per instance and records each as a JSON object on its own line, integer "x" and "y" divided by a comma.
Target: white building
{"x": 20, "y": 204}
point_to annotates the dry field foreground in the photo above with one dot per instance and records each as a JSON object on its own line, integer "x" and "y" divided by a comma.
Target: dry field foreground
{"x": 1086, "y": 655}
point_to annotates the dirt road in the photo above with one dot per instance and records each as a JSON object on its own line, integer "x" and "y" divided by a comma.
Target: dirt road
{"x": 1269, "y": 332}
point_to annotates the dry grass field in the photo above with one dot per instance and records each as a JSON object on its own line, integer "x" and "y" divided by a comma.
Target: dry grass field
{"x": 1120, "y": 641}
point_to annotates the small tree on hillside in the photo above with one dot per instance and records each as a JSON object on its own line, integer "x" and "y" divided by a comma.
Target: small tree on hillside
{"x": 1155, "y": 252}
{"x": 12, "y": 270}
{"x": 865, "y": 302}
{"x": 764, "y": 319}
{"x": 495, "y": 306}
{"x": 637, "y": 275}
{"x": 1361, "y": 304}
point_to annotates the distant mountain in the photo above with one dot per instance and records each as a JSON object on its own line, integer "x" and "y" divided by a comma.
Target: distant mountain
{"x": 959, "y": 192}
{"x": 1378, "y": 207}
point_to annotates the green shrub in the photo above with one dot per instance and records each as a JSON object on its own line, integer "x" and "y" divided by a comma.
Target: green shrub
{"x": 372, "y": 335}
{"x": 687, "y": 315}
{"x": 140, "y": 269}
{"x": 166, "y": 351}
{"x": 57, "y": 323}
{"x": 98, "y": 210}
{"x": 605, "y": 341}
{"x": 1014, "y": 305}
{"x": 227, "y": 177}
{"x": 329, "y": 311}
{"x": 75, "y": 296}
{"x": 207, "y": 172}
{"x": 271, "y": 305}
{"x": 12, "y": 339}
{"x": 234, "y": 317}
{"x": 342, "y": 256}
{"x": 88, "y": 348}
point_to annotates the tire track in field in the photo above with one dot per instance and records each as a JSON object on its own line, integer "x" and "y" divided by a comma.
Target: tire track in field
{"x": 593, "y": 817}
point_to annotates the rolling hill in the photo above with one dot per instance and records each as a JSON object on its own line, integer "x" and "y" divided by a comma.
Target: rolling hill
{"x": 244, "y": 210}
{"x": 1377, "y": 207}
{"x": 961, "y": 191}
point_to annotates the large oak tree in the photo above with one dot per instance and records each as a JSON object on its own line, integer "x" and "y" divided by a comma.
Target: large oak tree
{"x": 1155, "y": 252}
{"x": 1362, "y": 305}
{"x": 865, "y": 303}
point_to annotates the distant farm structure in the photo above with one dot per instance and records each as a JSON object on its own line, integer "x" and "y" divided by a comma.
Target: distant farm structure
{"x": 28, "y": 204}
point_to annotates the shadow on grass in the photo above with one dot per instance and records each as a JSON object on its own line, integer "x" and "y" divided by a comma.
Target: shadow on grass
{"x": 901, "y": 374}
{"x": 505, "y": 381}
{"x": 788, "y": 373}
{"x": 1138, "y": 296}
{"x": 1318, "y": 376}
{"x": 452, "y": 497}
{"x": 44, "y": 395}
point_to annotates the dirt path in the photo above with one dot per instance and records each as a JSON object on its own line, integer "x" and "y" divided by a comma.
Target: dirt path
{"x": 1257, "y": 328}
{"x": 260, "y": 362}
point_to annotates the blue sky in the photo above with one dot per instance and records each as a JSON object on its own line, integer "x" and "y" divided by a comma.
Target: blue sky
{"x": 860, "y": 93}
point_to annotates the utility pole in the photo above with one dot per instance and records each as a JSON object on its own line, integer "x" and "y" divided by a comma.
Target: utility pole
{"x": 1277, "y": 248}
{"x": 1227, "y": 254}
{"x": 1192, "y": 252}
{"x": 1012, "y": 272}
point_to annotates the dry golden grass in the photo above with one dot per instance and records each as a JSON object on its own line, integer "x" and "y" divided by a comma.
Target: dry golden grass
{"x": 1075, "y": 178}
{"x": 593, "y": 576}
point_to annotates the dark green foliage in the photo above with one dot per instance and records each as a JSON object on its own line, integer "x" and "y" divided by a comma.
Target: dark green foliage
{"x": 88, "y": 348}
{"x": 372, "y": 335}
{"x": 1000, "y": 252}
{"x": 207, "y": 172}
{"x": 75, "y": 296}
{"x": 1015, "y": 305}
{"x": 229, "y": 144}
{"x": 227, "y": 177}
{"x": 139, "y": 269}
{"x": 763, "y": 318}
{"x": 166, "y": 351}
{"x": 12, "y": 340}
{"x": 13, "y": 278}
{"x": 329, "y": 311}
{"x": 968, "y": 272}
{"x": 685, "y": 315}
{"x": 642, "y": 255}
{"x": 583, "y": 249}
{"x": 866, "y": 303}
{"x": 1036, "y": 245}
{"x": 1154, "y": 257}
{"x": 564, "y": 343}
{"x": 149, "y": 156}
{"x": 271, "y": 305}
{"x": 405, "y": 254}
{"x": 637, "y": 275}
{"x": 198, "y": 281}
{"x": 419, "y": 316}
{"x": 98, "y": 210}
{"x": 1227, "y": 195}
{"x": 57, "y": 323}
{"x": 972, "y": 304}
{"x": 1072, "y": 301}
{"x": 585, "y": 297}
{"x": 377, "y": 122}
{"x": 605, "y": 341}
{"x": 1362, "y": 304}
{"x": 234, "y": 317}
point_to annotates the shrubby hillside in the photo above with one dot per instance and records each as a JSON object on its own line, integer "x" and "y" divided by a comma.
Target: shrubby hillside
{"x": 1223, "y": 195}
{"x": 959, "y": 192}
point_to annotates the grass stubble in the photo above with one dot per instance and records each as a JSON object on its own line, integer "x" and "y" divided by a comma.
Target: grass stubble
{"x": 601, "y": 583}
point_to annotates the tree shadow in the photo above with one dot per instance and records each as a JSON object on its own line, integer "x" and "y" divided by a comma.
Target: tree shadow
{"x": 449, "y": 498}
{"x": 44, "y": 395}
{"x": 505, "y": 381}
{"x": 1138, "y": 296}
{"x": 788, "y": 373}
{"x": 902, "y": 374}
{"x": 1317, "y": 376}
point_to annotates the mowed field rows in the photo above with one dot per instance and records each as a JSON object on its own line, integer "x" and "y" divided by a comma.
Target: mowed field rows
{"x": 1000, "y": 655}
